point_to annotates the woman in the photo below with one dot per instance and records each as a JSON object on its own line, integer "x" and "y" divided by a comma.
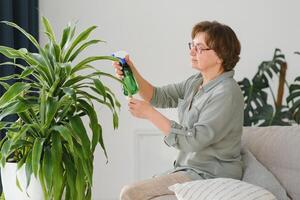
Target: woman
{"x": 210, "y": 108}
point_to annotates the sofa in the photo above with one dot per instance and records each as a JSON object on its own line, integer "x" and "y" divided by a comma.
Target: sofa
{"x": 277, "y": 148}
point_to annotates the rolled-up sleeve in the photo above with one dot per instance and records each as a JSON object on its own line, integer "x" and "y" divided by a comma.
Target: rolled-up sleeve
{"x": 167, "y": 96}
{"x": 214, "y": 123}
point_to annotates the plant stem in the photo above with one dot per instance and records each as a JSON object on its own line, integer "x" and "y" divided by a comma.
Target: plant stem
{"x": 283, "y": 68}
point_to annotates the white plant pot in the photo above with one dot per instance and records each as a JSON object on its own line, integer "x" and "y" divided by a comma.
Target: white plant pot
{"x": 10, "y": 188}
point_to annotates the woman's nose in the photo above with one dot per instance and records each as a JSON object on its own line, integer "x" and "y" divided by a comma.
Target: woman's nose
{"x": 192, "y": 52}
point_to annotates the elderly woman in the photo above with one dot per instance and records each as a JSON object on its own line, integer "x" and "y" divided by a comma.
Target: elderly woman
{"x": 210, "y": 108}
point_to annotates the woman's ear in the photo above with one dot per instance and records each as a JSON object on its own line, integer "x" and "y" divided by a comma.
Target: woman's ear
{"x": 219, "y": 61}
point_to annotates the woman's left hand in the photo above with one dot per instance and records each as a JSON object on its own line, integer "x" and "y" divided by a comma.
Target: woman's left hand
{"x": 139, "y": 108}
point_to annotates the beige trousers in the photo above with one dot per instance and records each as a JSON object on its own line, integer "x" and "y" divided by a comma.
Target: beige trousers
{"x": 154, "y": 187}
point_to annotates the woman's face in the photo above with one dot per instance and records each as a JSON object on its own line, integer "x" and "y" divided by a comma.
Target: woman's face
{"x": 202, "y": 57}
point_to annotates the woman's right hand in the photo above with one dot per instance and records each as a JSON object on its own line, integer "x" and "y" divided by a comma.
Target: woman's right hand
{"x": 118, "y": 67}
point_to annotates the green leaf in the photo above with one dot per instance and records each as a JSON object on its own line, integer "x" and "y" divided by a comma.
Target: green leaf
{"x": 21, "y": 162}
{"x": 26, "y": 117}
{"x": 13, "y": 108}
{"x": 293, "y": 96}
{"x": 51, "y": 54}
{"x": 36, "y": 154}
{"x": 87, "y": 165}
{"x": 51, "y": 110}
{"x": 43, "y": 67}
{"x": 84, "y": 165}
{"x": 94, "y": 125}
{"x": 17, "y": 136}
{"x": 294, "y": 87}
{"x": 295, "y": 107}
{"x": 16, "y": 149}
{"x": 28, "y": 168}
{"x": 54, "y": 87}
{"x": 5, "y": 85}
{"x": 100, "y": 88}
{"x": 79, "y": 183}
{"x": 114, "y": 97}
{"x": 70, "y": 92}
{"x": 254, "y": 98}
{"x": 89, "y": 96}
{"x": 3, "y": 125}
{"x": 4, "y": 151}
{"x": 13, "y": 64}
{"x": 74, "y": 80}
{"x": 9, "y": 77}
{"x": 47, "y": 168}
{"x": 18, "y": 184}
{"x": 30, "y": 37}
{"x": 64, "y": 107}
{"x": 58, "y": 53}
{"x": 91, "y": 59}
{"x": 115, "y": 120}
{"x": 293, "y": 100}
{"x": 111, "y": 100}
{"x": 81, "y": 37}
{"x": 28, "y": 71}
{"x": 43, "y": 105}
{"x": 88, "y": 195}
{"x": 66, "y": 134}
{"x": 12, "y": 93}
{"x": 82, "y": 47}
{"x": 47, "y": 195}
{"x": 270, "y": 117}
{"x": 67, "y": 36}
{"x": 79, "y": 129}
{"x": 71, "y": 174}
{"x": 48, "y": 28}
{"x": 56, "y": 154}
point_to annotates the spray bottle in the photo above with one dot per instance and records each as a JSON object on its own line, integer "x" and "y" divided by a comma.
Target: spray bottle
{"x": 130, "y": 86}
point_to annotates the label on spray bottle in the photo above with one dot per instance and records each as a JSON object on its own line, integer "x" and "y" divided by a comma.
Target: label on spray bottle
{"x": 130, "y": 86}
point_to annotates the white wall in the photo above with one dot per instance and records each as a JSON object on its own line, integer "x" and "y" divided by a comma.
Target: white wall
{"x": 156, "y": 34}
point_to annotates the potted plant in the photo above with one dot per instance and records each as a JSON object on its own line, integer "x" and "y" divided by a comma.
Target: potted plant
{"x": 258, "y": 109}
{"x": 293, "y": 99}
{"x": 261, "y": 111}
{"x": 50, "y": 97}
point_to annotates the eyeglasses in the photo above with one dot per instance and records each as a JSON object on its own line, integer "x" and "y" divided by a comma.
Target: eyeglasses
{"x": 197, "y": 47}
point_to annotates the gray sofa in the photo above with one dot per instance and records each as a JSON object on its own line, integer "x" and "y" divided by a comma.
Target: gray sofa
{"x": 278, "y": 149}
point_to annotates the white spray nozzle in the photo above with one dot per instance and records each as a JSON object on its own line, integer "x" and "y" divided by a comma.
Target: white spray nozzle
{"x": 120, "y": 54}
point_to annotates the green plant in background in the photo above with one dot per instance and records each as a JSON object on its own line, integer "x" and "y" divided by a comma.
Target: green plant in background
{"x": 50, "y": 98}
{"x": 294, "y": 98}
{"x": 2, "y": 196}
{"x": 258, "y": 110}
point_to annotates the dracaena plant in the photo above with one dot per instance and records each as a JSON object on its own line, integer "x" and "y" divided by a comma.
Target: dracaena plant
{"x": 50, "y": 98}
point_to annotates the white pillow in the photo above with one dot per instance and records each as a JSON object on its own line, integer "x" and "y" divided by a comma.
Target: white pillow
{"x": 220, "y": 188}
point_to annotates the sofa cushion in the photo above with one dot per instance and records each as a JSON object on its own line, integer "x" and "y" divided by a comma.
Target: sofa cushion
{"x": 277, "y": 148}
{"x": 256, "y": 174}
{"x": 220, "y": 188}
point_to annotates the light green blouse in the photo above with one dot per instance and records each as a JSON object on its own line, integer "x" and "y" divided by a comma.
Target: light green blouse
{"x": 208, "y": 134}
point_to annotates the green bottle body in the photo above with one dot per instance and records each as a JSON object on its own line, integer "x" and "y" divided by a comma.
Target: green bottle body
{"x": 129, "y": 81}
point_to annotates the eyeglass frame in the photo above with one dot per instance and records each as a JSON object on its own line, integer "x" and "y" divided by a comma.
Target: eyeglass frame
{"x": 198, "y": 48}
